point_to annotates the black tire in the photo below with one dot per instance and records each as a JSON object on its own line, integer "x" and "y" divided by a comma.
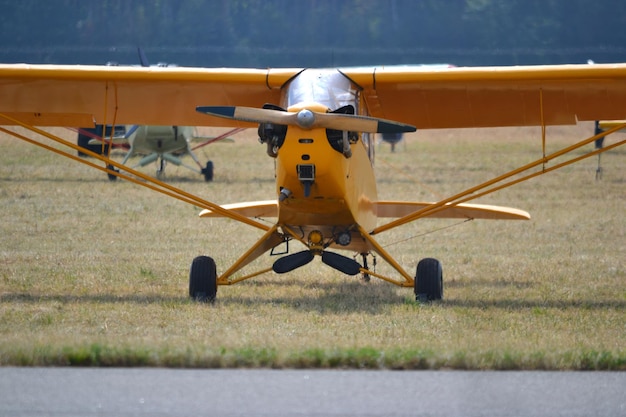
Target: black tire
{"x": 429, "y": 280}
{"x": 112, "y": 177}
{"x": 203, "y": 279}
{"x": 208, "y": 171}
{"x": 83, "y": 142}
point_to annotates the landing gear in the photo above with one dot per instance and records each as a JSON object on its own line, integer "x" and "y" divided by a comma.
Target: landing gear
{"x": 428, "y": 280}
{"x": 203, "y": 279}
{"x": 208, "y": 171}
{"x": 365, "y": 276}
{"x": 160, "y": 173}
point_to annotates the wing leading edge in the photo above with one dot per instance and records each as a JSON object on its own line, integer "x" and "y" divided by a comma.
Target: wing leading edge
{"x": 494, "y": 96}
{"x": 70, "y": 95}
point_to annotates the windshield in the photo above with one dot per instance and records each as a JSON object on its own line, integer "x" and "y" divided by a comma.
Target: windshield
{"x": 327, "y": 87}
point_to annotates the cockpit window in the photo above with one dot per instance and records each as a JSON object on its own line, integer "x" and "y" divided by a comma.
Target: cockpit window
{"x": 327, "y": 87}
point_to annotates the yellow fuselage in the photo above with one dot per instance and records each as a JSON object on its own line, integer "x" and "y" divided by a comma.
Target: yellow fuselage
{"x": 340, "y": 196}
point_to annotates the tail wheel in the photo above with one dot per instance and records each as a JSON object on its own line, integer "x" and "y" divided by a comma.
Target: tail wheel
{"x": 203, "y": 279}
{"x": 428, "y": 280}
{"x": 208, "y": 171}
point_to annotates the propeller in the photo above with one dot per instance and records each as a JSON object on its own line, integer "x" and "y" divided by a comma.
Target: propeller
{"x": 307, "y": 119}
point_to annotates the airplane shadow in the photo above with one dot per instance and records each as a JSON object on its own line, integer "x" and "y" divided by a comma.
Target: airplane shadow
{"x": 521, "y": 304}
{"x": 330, "y": 298}
{"x": 91, "y": 298}
{"x": 476, "y": 283}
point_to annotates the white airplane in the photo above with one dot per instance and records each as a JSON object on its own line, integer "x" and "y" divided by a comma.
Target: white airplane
{"x": 161, "y": 144}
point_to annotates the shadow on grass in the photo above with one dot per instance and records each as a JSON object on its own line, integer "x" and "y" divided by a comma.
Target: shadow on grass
{"x": 91, "y": 298}
{"x": 475, "y": 283}
{"x": 327, "y": 297}
{"x": 332, "y": 298}
{"x": 521, "y": 304}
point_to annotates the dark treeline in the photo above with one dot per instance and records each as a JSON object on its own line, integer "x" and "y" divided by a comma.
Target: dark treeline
{"x": 294, "y": 33}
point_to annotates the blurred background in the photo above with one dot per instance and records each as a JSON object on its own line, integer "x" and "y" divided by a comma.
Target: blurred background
{"x": 313, "y": 33}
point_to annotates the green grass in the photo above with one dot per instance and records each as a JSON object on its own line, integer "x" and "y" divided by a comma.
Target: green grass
{"x": 94, "y": 273}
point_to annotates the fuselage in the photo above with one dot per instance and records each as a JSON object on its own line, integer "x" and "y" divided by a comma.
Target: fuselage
{"x": 320, "y": 187}
{"x": 160, "y": 139}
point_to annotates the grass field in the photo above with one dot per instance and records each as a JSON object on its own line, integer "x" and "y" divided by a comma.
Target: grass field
{"x": 96, "y": 273}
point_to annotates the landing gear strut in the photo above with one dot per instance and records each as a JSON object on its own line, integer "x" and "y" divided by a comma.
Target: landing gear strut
{"x": 366, "y": 277}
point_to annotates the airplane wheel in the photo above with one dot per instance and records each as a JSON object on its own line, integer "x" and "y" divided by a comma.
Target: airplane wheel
{"x": 203, "y": 279}
{"x": 83, "y": 142}
{"x": 428, "y": 280}
{"x": 208, "y": 171}
{"x": 111, "y": 176}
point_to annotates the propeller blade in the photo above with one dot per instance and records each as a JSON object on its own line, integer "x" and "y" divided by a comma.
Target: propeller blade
{"x": 356, "y": 123}
{"x": 250, "y": 114}
{"x": 307, "y": 119}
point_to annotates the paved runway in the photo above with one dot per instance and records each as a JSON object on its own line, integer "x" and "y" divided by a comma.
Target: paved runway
{"x": 171, "y": 392}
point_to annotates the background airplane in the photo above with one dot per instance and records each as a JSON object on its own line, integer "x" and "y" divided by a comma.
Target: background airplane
{"x": 392, "y": 139}
{"x": 159, "y": 144}
{"x": 162, "y": 144}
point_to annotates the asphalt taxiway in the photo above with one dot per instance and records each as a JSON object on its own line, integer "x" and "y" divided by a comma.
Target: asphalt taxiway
{"x": 260, "y": 392}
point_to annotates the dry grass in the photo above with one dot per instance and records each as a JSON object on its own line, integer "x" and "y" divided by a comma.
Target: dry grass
{"x": 95, "y": 273}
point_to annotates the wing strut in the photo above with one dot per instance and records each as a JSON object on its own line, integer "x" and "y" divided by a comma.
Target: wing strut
{"x": 543, "y": 128}
{"x": 269, "y": 240}
{"x": 469, "y": 194}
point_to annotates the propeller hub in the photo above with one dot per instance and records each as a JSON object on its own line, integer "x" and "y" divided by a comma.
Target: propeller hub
{"x": 305, "y": 118}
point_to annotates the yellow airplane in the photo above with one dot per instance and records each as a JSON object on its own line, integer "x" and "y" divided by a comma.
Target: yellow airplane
{"x": 162, "y": 144}
{"x": 318, "y": 125}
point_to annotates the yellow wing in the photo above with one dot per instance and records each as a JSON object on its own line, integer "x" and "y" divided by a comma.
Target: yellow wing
{"x": 71, "y": 95}
{"x": 269, "y": 208}
{"x": 494, "y": 96}
{"x": 75, "y": 95}
{"x": 608, "y": 124}
{"x": 458, "y": 211}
